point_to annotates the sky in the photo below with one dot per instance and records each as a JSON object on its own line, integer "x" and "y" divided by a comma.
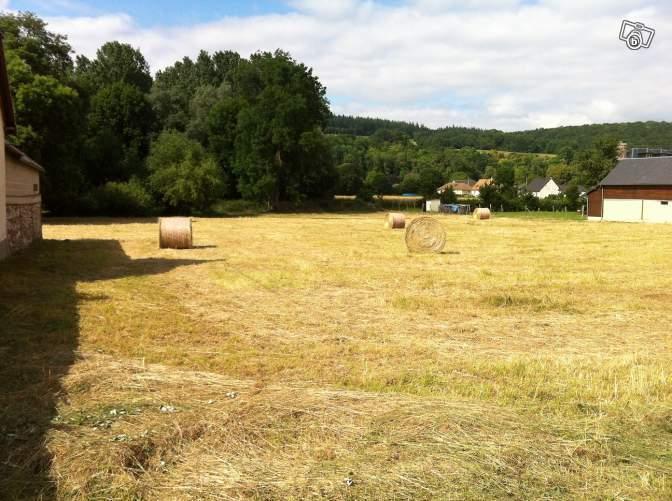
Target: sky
{"x": 505, "y": 64}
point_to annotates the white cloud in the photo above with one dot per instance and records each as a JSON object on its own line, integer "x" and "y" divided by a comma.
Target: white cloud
{"x": 487, "y": 63}
{"x": 453, "y": 5}
{"x": 330, "y": 9}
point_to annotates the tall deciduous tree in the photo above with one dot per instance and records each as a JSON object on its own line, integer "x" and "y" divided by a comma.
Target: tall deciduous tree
{"x": 46, "y": 53}
{"x": 431, "y": 178}
{"x": 284, "y": 109}
{"x": 119, "y": 122}
{"x": 49, "y": 109}
{"x": 175, "y": 86}
{"x": 595, "y": 163}
{"x": 116, "y": 62}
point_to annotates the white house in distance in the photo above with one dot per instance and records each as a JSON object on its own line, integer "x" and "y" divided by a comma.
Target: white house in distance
{"x": 636, "y": 190}
{"x": 465, "y": 188}
{"x": 460, "y": 188}
{"x": 543, "y": 187}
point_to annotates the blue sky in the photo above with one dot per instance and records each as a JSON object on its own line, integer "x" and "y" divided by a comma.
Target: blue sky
{"x": 507, "y": 64}
{"x": 153, "y": 13}
{"x": 171, "y": 12}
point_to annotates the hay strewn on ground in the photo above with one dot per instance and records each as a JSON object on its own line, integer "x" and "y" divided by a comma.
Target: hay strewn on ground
{"x": 530, "y": 359}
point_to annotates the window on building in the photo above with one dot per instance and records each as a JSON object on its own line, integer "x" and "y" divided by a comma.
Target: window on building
{"x": 664, "y": 203}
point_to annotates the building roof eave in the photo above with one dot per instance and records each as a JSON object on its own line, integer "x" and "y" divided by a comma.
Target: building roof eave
{"x": 22, "y": 158}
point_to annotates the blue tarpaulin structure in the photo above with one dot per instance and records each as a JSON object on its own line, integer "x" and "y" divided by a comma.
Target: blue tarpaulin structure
{"x": 455, "y": 208}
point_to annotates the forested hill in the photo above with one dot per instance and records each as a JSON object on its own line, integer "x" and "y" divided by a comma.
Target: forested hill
{"x": 366, "y": 126}
{"x": 532, "y": 141}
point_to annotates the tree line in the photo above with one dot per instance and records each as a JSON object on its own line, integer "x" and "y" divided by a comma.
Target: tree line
{"x": 116, "y": 140}
{"x": 552, "y": 140}
{"x": 391, "y": 162}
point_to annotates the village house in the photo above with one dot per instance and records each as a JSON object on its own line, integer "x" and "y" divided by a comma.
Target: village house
{"x": 465, "y": 188}
{"x": 543, "y": 187}
{"x": 460, "y": 188}
{"x": 636, "y": 190}
{"x": 20, "y": 196}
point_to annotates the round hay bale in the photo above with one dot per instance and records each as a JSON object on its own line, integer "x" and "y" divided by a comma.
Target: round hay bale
{"x": 175, "y": 233}
{"x": 425, "y": 234}
{"x": 395, "y": 221}
{"x": 482, "y": 214}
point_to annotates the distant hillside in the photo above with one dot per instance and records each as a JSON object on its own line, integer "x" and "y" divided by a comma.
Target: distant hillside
{"x": 532, "y": 141}
{"x": 362, "y": 126}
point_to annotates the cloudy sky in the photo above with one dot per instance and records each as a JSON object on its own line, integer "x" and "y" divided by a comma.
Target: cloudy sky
{"x": 506, "y": 64}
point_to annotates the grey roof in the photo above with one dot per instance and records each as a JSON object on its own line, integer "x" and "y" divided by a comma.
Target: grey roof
{"x": 19, "y": 155}
{"x": 641, "y": 172}
{"x": 537, "y": 184}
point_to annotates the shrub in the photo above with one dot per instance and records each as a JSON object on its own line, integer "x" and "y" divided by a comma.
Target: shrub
{"x": 119, "y": 199}
{"x": 237, "y": 208}
{"x": 182, "y": 175}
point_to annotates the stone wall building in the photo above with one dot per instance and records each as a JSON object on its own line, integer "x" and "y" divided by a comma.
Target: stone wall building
{"x": 23, "y": 199}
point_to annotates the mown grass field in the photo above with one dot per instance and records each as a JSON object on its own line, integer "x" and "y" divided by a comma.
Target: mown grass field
{"x": 286, "y": 354}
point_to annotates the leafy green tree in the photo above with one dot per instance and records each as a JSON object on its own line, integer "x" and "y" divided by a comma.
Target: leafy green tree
{"x": 491, "y": 196}
{"x": 431, "y": 179}
{"x": 284, "y": 106}
{"x": 410, "y": 183}
{"x": 562, "y": 172}
{"x": 314, "y": 175}
{"x": 505, "y": 176}
{"x": 119, "y": 122}
{"x": 378, "y": 183}
{"x": 222, "y": 130}
{"x": 349, "y": 179}
{"x": 46, "y": 53}
{"x": 458, "y": 176}
{"x": 182, "y": 175}
{"x": 529, "y": 202}
{"x": 49, "y": 113}
{"x": 572, "y": 196}
{"x": 205, "y": 99}
{"x": 48, "y": 107}
{"x": 49, "y": 110}
{"x": 116, "y": 62}
{"x": 449, "y": 196}
{"x": 567, "y": 154}
{"x": 174, "y": 87}
{"x": 595, "y": 163}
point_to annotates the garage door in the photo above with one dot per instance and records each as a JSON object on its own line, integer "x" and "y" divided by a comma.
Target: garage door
{"x": 658, "y": 211}
{"x": 622, "y": 210}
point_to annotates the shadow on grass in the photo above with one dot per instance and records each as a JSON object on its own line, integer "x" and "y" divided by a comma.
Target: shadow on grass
{"x": 39, "y": 331}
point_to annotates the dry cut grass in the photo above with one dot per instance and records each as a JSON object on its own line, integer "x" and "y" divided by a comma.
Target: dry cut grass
{"x": 294, "y": 357}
